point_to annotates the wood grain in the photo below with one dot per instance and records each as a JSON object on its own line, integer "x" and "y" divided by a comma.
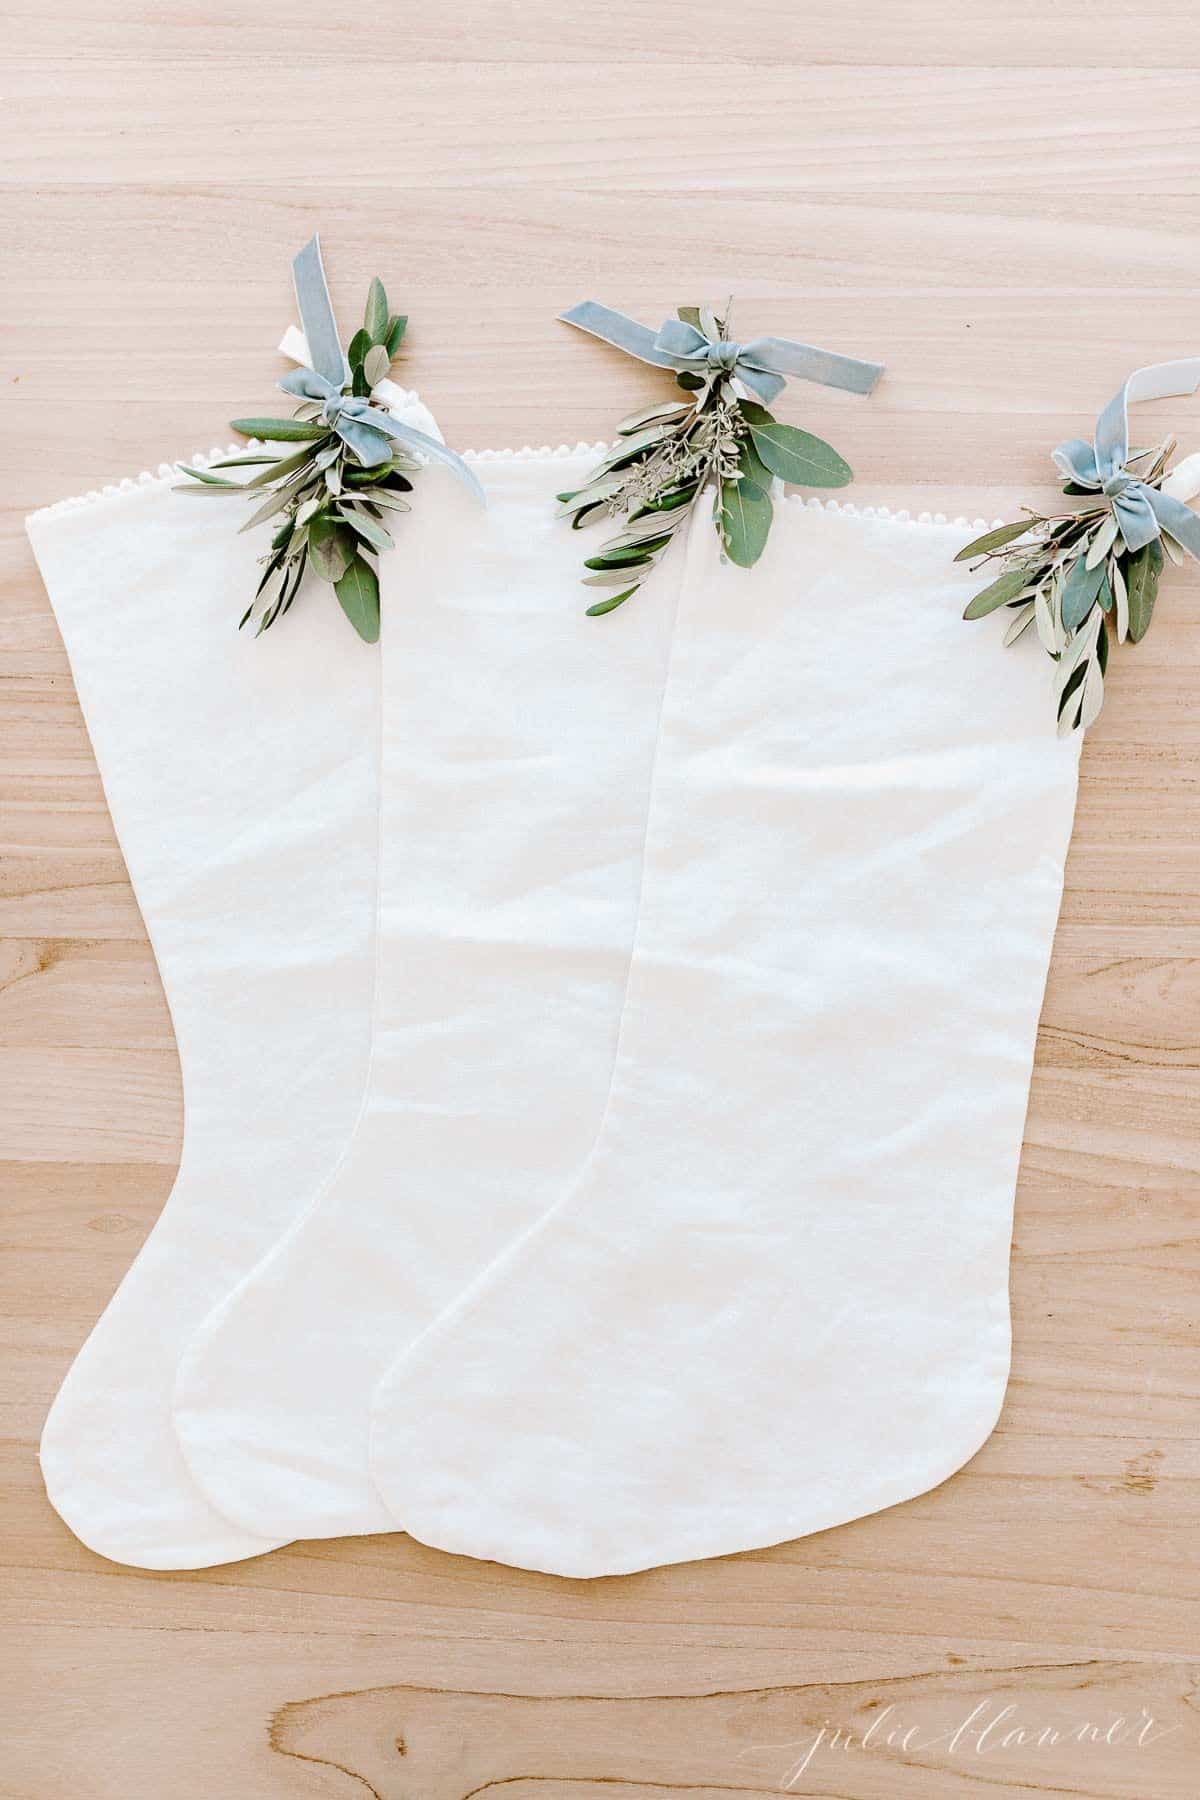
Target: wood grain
{"x": 1004, "y": 205}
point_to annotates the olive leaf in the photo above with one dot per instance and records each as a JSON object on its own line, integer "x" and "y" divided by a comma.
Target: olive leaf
{"x": 1142, "y": 570}
{"x": 1000, "y": 592}
{"x": 1068, "y": 574}
{"x": 994, "y": 540}
{"x": 376, "y": 316}
{"x": 281, "y": 431}
{"x": 330, "y": 547}
{"x": 207, "y": 480}
{"x": 653, "y": 415}
{"x": 376, "y": 364}
{"x": 606, "y": 606}
{"x": 327, "y": 509}
{"x": 627, "y": 557}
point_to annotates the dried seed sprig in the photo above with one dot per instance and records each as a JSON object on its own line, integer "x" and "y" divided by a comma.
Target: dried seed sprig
{"x": 718, "y": 439}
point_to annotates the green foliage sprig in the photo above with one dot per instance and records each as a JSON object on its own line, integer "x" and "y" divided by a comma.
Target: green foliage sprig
{"x": 1073, "y": 578}
{"x": 670, "y": 453}
{"x": 333, "y": 507}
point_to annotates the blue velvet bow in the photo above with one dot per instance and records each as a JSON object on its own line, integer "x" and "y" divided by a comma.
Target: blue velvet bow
{"x": 365, "y": 429}
{"x": 757, "y": 369}
{"x": 1142, "y": 512}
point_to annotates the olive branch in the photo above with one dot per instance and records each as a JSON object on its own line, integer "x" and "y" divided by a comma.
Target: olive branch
{"x": 333, "y": 508}
{"x": 1074, "y": 579}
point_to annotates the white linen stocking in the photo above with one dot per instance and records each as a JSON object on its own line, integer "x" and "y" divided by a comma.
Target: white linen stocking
{"x": 242, "y": 780}
{"x": 517, "y": 743}
{"x": 776, "y": 1298}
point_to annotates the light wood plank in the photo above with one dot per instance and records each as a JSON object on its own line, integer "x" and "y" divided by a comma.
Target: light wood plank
{"x": 1003, "y": 205}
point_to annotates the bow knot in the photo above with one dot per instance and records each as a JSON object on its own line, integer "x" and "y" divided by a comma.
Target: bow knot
{"x": 1143, "y": 512}
{"x": 367, "y": 430}
{"x": 723, "y": 354}
{"x": 757, "y": 370}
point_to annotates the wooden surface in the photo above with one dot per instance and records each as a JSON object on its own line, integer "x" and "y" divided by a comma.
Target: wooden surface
{"x": 988, "y": 200}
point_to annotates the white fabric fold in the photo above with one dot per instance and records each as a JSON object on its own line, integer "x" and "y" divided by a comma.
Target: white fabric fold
{"x": 775, "y": 1297}
{"x": 517, "y": 742}
{"x": 242, "y": 778}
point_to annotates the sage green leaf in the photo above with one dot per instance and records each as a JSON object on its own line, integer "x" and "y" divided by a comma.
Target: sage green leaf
{"x": 1080, "y": 593}
{"x": 369, "y": 530}
{"x": 393, "y": 502}
{"x": 1142, "y": 570}
{"x": 745, "y": 521}
{"x": 994, "y": 540}
{"x": 1000, "y": 592}
{"x": 358, "y": 346}
{"x": 243, "y": 462}
{"x": 607, "y": 606}
{"x": 376, "y": 364}
{"x": 330, "y": 546}
{"x": 799, "y": 457}
{"x": 375, "y": 319}
{"x": 358, "y": 594}
{"x": 689, "y": 314}
{"x": 283, "y": 431}
{"x": 397, "y": 326}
